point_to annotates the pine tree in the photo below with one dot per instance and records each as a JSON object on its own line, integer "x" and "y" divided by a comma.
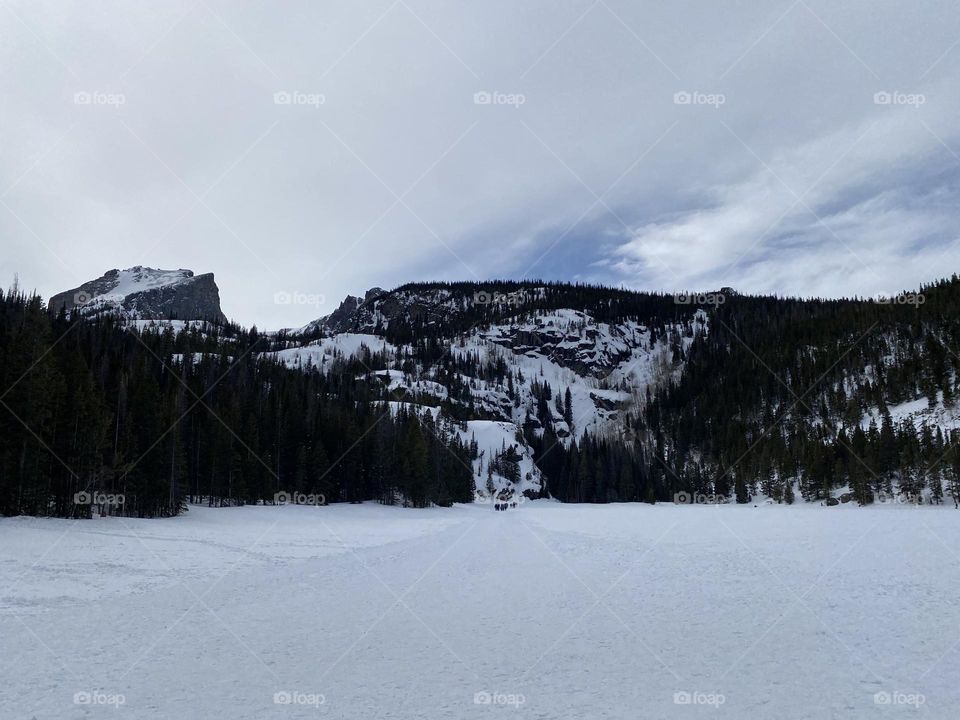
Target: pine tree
{"x": 788, "y": 496}
{"x": 741, "y": 490}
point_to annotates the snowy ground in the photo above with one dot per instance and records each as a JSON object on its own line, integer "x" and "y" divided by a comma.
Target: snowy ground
{"x": 548, "y": 611}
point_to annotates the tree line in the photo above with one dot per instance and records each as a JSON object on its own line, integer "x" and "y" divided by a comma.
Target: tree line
{"x": 100, "y": 417}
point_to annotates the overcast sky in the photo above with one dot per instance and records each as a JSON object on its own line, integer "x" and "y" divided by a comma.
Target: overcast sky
{"x": 315, "y": 149}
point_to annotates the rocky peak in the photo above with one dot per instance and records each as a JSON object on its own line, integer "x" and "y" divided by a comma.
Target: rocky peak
{"x": 343, "y": 313}
{"x": 372, "y": 293}
{"x": 145, "y": 293}
{"x": 343, "y": 317}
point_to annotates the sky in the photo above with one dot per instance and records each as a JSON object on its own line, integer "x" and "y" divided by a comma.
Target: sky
{"x": 302, "y": 151}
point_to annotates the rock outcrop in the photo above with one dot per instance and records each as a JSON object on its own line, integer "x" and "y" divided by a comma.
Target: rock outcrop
{"x": 146, "y": 294}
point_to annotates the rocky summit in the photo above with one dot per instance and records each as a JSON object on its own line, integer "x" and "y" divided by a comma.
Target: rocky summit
{"x": 145, "y": 293}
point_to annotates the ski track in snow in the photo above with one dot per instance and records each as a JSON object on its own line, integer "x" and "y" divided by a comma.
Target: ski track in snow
{"x": 578, "y": 611}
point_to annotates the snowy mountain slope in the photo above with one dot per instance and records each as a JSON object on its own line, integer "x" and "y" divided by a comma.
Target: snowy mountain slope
{"x": 502, "y": 461}
{"x": 319, "y": 354}
{"x": 502, "y": 451}
{"x": 686, "y": 387}
{"x": 573, "y": 339}
{"x": 500, "y": 368}
{"x": 146, "y": 294}
{"x": 918, "y": 413}
{"x": 608, "y": 367}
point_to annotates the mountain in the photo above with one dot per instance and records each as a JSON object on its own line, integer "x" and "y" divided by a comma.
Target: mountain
{"x": 433, "y": 393}
{"x": 707, "y": 391}
{"x": 146, "y": 294}
{"x": 514, "y": 362}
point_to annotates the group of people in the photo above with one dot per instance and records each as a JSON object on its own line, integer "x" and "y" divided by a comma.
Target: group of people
{"x": 504, "y": 506}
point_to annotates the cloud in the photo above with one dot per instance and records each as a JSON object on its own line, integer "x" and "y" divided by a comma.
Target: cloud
{"x": 398, "y": 174}
{"x": 868, "y": 207}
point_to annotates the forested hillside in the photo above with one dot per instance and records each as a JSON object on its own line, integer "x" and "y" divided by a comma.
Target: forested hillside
{"x": 741, "y": 397}
{"x": 139, "y": 421}
{"x": 788, "y": 391}
{"x": 437, "y": 393}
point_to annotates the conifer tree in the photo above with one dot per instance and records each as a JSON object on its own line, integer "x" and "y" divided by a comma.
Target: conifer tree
{"x": 741, "y": 490}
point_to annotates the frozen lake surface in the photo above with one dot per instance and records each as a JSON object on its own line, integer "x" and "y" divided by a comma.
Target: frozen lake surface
{"x": 547, "y": 611}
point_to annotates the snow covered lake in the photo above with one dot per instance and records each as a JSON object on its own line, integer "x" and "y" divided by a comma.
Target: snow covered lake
{"x": 547, "y": 611}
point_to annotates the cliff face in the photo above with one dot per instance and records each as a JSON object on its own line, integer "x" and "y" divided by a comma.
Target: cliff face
{"x": 147, "y": 294}
{"x": 343, "y": 317}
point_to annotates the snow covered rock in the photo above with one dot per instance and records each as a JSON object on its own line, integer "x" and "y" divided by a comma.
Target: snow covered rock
{"x": 146, "y": 294}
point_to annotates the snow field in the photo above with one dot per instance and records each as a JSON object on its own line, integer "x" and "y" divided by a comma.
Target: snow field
{"x": 551, "y": 611}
